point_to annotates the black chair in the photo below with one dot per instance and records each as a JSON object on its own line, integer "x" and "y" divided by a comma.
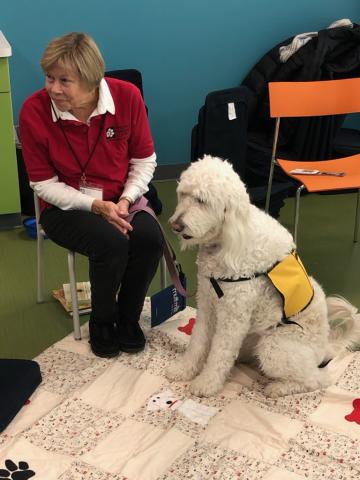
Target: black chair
{"x": 134, "y": 76}
{"x": 129, "y": 75}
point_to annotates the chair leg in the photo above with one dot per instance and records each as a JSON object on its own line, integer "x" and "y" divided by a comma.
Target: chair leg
{"x": 297, "y": 211}
{"x": 356, "y": 228}
{"x": 74, "y": 299}
{"x": 162, "y": 272}
{"x": 272, "y": 165}
{"x": 40, "y": 267}
{"x": 268, "y": 193}
{"x": 40, "y": 252}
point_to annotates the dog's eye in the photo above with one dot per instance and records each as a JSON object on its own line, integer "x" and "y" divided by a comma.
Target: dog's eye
{"x": 199, "y": 200}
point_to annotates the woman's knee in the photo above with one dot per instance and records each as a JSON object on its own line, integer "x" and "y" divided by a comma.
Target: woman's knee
{"x": 147, "y": 236}
{"x": 111, "y": 244}
{"x": 155, "y": 240}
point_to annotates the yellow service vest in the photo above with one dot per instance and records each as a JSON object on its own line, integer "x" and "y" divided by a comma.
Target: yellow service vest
{"x": 290, "y": 279}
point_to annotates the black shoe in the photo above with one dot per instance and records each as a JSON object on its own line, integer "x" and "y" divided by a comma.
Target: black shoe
{"x": 103, "y": 340}
{"x": 131, "y": 338}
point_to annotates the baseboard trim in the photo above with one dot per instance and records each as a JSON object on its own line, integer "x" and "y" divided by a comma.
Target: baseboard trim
{"x": 10, "y": 220}
{"x": 169, "y": 172}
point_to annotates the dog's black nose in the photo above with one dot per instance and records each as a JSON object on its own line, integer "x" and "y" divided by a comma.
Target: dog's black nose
{"x": 177, "y": 226}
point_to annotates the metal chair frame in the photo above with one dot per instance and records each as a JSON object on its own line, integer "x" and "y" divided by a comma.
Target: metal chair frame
{"x": 343, "y": 104}
{"x": 41, "y": 276}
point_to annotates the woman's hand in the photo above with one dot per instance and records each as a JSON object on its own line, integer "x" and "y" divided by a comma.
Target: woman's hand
{"x": 124, "y": 204}
{"x": 113, "y": 213}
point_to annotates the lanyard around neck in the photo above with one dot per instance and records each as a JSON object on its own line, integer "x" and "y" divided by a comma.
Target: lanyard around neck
{"x": 82, "y": 167}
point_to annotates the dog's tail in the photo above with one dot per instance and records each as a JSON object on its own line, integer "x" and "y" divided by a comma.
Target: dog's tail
{"x": 344, "y": 320}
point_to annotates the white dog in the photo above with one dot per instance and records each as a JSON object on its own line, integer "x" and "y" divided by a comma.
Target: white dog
{"x": 236, "y": 239}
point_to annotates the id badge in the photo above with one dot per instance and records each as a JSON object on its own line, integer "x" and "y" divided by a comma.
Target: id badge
{"x": 91, "y": 189}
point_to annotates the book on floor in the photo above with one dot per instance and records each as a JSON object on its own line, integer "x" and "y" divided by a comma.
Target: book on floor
{"x": 83, "y": 293}
{"x": 63, "y": 295}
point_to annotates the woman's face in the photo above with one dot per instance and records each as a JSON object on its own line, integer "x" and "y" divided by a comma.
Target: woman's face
{"x": 65, "y": 88}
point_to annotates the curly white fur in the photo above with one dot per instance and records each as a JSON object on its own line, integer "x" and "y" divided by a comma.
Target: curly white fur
{"x": 236, "y": 239}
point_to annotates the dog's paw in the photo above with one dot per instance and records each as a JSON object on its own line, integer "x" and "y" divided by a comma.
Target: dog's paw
{"x": 203, "y": 387}
{"x": 275, "y": 390}
{"x": 177, "y": 371}
{"x": 280, "y": 389}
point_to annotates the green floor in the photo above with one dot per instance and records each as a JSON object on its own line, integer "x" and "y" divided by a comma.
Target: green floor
{"x": 26, "y": 328}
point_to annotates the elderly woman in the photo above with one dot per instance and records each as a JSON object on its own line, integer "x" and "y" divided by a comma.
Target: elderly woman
{"x": 89, "y": 155}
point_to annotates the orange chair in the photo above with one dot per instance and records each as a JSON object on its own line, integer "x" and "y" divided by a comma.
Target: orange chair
{"x": 309, "y": 99}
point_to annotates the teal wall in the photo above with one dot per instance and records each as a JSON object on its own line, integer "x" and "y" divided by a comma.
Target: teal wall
{"x": 184, "y": 49}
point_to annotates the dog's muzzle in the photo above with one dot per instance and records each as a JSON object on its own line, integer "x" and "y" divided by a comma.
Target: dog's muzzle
{"x": 178, "y": 226}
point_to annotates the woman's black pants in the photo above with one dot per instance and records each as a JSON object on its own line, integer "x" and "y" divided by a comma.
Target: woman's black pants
{"x": 117, "y": 264}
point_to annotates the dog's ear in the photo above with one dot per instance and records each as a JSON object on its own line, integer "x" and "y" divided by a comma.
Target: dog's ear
{"x": 234, "y": 232}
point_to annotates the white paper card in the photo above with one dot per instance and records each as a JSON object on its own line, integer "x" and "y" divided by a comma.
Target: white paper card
{"x": 231, "y": 111}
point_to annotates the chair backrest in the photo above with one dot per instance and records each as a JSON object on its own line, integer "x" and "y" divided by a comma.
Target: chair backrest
{"x": 134, "y": 76}
{"x": 129, "y": 75}
{"x": 308, "y": 99}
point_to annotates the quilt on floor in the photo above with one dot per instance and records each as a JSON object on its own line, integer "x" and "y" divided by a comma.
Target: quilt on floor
{"x": 96, "y": 419}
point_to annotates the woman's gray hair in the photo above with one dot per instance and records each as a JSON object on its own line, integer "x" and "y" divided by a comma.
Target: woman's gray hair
{"x": 79, "y": 52}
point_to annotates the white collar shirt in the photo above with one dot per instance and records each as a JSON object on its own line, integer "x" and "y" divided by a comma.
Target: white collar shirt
{"x": 105, "y": 104}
